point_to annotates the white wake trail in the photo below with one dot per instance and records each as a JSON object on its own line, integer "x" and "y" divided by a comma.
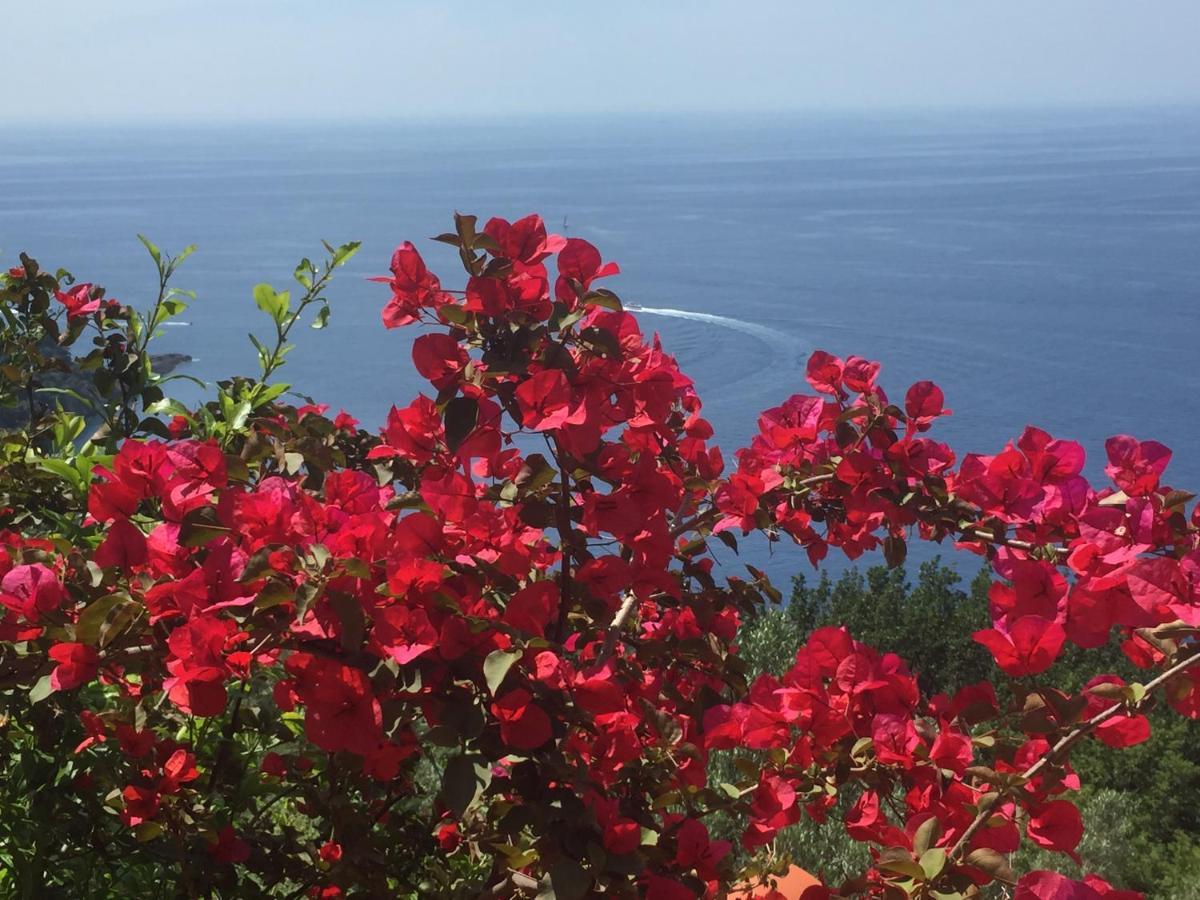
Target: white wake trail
{"x": 762, "y": 332}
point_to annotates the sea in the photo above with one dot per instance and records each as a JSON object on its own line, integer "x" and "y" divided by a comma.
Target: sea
{"x": 1042, "y": 266}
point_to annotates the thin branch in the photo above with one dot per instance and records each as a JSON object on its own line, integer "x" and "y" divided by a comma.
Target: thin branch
{"x": 1059, "y": 749}
{"x": 967, "y": 532}
{"x": 708, "y": 517}
{"x": 972, "y": 532}
{"x": 563, "y": 524}
{"x": 614, "y": 629}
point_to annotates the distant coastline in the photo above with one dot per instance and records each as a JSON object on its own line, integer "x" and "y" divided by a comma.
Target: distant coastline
{"x": 18, "y": 416}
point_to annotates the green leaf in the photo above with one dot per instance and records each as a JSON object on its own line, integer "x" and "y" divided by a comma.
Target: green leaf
{"x": 727, "y": 538}
{"x": 897, "y": 860}
{"x": 894, "y": 551}
{"x": 1109, "y": 691}
{"x": 168, "y": 407}
{"x": 258, "y": 566}
{"x": 41, "y": 690}
{"x": 465, "y": 226}
{"x": 926, "y": 835}
{"x": 933, "y": 861}
{"x": 274, "y": 304}
{"x": 238, "y": 415}
{"x": 75, "y": 395}
{"x": 303, "y": 273}
{"x": 349, "y": 611}
{"x": 119, "y": 618}
{"x": 358, "y": 568}
{"x": 345, "y": 253}
{"x": 147, "y": 831}
{"x": 263, "y": 353}
{"x": 463, "y": 782}
{"x": 601, "y": 341}
{"x": 496, "y": 666}
{"x": 460, "y": 417}
{"x": 172, "y": 307}
{"x": 64, "y": 470}
{"x": 453, "y": 314}
{"x": 155, "y": 253}
{"x": 568, "y": 881}
{"x": 1177, "y": 498}
{"x": 603, "y": 297}
{"x": 992, "y": 863}
{"x": 92, "y": 619}
{"x": 322, "y": 318}
{"x": 306, "y": 595}
{"x": 200, "y": 526}
{"x": 273, "y": 594}
{"x": 269, "y": 393}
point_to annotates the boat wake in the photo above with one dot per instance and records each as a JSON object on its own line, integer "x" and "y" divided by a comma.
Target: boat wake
{"x": 762, "y": 332}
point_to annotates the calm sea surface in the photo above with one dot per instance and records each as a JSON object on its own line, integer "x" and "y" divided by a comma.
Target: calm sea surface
{"x": 1042, "y": 267}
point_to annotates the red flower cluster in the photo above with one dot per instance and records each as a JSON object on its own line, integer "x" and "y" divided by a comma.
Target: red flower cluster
{"x": 511, "y": 586}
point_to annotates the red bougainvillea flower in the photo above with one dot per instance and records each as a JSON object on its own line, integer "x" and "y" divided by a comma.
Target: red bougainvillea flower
{"x": 1135, "y": 466}
{"x": 696, "y": 850}
{"x": 620, "y": 835}
{"x": 1043, "y": 885}
{"x": 341, "y": 713}
{"x": 545, "y": 400}
{"x": 1057, "y": 825}
{"x": 123, "y": 547}
{"x": 228, "y": 848}
{"x": 1030, "y": 647}
{"x": 404, "y": 632}
{"x": 525, "y": 240}
{"x": 80, "y": 300}
{"x": 134, "y": 743}
{"x": 439, "y": 358}
{"x": 413, "y": 287}
{"x": 196, "y": 690}
{"x": 141, "y": 804}
{"x": 31, "y": 590}
{"x": 825, "y": 373}
{"x": 578, "y": 266}
{"x": 532, "y": 608}
{"x": 178, "y": 770}
{"x": 923, "y": 403}
{"x": 448, "y": 837}
{"x": 275, "y": 765}
{"x": 198, "y": 672}
{"x": 94, "y": 730}
{"x": 523, "y": 724}
{"x": 77, "y": 664}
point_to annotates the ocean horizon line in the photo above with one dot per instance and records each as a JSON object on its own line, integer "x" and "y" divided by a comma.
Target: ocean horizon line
{"x": 850, "y": 113}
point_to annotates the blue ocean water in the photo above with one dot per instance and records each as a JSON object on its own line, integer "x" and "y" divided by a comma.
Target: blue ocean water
{"x": 1043, "y": 267}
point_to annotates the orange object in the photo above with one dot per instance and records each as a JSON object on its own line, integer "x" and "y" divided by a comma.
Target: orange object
{"x": 791, "y": 886}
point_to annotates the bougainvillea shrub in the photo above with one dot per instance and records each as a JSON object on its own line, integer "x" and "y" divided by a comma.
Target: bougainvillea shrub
{"x": 250, "y": 648}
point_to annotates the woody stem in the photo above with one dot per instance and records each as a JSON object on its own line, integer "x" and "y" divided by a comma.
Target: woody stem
{"x": 563, "y": 524}
{"x": 1064, "y": 744}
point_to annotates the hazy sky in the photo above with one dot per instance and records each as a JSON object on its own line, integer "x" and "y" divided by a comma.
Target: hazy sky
{"x": 302, "y": 59}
